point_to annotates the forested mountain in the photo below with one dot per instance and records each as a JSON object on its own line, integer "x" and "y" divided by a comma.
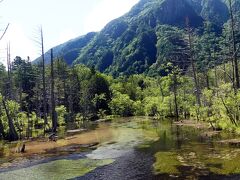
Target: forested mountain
{"x": 140, "y": 41}
{"x": 70, "y": 49}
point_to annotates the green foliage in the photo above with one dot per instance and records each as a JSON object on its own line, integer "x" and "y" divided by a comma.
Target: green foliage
{"x": 152, "y": 106}
{"x": 61, "y": 114}
{"x": 138, "y": 108}
{"x": 121, "y": 104}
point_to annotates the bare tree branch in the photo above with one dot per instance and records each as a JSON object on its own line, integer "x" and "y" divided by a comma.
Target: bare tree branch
{"x": 4, "y": 30}
{"x": 37, "y": 39}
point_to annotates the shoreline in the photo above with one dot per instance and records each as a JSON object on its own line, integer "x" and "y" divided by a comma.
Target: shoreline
{"x": 40, "y": 149}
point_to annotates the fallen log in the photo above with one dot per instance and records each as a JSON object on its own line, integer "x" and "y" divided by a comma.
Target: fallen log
{"x": 76, "y": 130}
{"x": 231, "y": 142}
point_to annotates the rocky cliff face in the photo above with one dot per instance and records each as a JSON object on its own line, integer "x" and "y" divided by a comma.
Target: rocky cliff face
{"x": 174, "y": 12}
{"x": 214, "y": 11}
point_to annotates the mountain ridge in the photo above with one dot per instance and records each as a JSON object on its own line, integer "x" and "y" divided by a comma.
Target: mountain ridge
{"x": 128, "y": 44}
{"x": 68, "y": 50}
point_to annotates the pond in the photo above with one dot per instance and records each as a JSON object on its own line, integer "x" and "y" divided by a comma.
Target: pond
{"x": 130, "y": 148}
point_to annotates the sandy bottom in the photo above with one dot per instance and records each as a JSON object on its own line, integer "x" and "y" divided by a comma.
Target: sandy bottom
{"x": 43, "y": 146}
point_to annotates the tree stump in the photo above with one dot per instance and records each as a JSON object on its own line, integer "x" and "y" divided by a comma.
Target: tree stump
{"x": 20, "y": 148}
{"x": 52, "y": 137}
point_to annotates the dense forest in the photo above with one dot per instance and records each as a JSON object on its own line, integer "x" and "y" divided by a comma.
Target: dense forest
{"x": 205, "y": 90}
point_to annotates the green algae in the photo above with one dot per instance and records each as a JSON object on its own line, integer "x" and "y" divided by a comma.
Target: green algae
{"x": 223, "y": 162}
{"x": 166, "y": 163}
{"x": 200, "y": 159}
{"x": 224, "y": 167}
{"x": 56, "y": 170}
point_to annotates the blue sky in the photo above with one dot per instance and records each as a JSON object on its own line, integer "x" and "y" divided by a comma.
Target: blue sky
{"x": 61, "y": 20}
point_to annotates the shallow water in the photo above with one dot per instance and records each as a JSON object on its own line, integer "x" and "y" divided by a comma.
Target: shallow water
{"x": 138, "y": 148}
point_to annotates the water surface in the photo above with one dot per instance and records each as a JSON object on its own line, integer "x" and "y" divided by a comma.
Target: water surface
{"x": 138, "y": 148}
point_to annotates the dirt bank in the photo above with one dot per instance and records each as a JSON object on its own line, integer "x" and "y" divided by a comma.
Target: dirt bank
{"x": 192, "y": 123}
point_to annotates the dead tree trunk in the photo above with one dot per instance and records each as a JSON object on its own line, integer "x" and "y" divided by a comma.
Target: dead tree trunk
{"x": 9, "y": 71}
{"x": 175, "y": 96}
{"x": 225, "y": 73}
{"x": 54, "y": 114}
{"x": 44, "y": 84}
{"x": 215, "y": 74}
{"x": 207, "y": 79}
{"x": 197, "y": 93}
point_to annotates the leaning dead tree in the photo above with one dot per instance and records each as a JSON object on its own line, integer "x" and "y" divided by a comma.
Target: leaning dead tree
{"x": 12, "y": 135}
{"x": 4, "y": 32}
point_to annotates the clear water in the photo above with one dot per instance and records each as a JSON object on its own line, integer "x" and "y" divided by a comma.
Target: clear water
{"x": 138, "y": 148}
